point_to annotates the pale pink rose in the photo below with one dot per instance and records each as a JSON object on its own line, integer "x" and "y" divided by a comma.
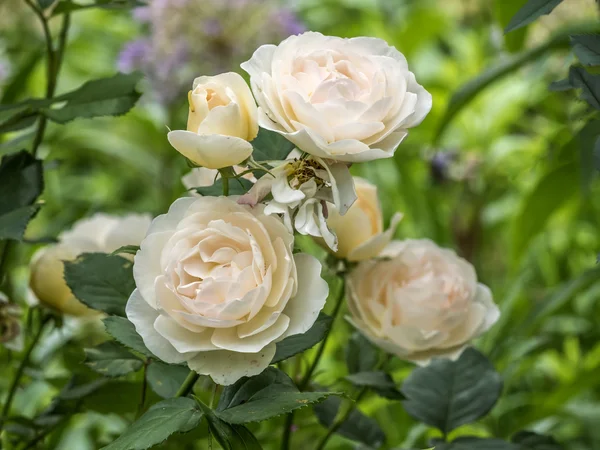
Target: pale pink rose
{"x": 218, "y": 285}
{"x": 341, "y": 99}
{"x": 422, "y": 301}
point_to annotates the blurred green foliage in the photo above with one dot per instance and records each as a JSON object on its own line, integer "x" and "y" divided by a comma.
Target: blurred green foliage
{"x": 509, "y": 184}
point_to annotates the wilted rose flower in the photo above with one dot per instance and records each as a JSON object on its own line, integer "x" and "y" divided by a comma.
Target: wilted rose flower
{"x": 343, "y": 99}
{"x": 422, "y": 302}
{"x": 221, "y": 122}
{"x": 360, "y": 231}
{"x": 218, "y": 286}
{"x": 302, "y": 189}
{"x": 100, "y": 233}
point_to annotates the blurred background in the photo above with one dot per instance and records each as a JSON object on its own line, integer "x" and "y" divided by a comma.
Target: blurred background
{"x": 503, "y": 180}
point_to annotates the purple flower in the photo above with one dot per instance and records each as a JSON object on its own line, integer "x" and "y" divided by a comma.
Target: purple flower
{"x": 133, "y": 56}
{"x": 289, "y": 22}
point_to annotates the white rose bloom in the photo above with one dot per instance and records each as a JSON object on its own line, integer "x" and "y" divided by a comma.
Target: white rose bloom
{"x": 360, "y": 231}
{"x": 342, "y": 99}
{"x": 221, "y": 122}
{"x": 423, "y": 302}
{"x": 100, "y": 233}
{"x": 218, "y": 286}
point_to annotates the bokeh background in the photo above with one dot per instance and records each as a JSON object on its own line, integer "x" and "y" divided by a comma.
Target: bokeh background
{"x": 500, "y": 181}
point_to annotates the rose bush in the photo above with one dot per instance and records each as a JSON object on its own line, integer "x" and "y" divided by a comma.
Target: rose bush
{"x": 343, "y": 99}
{"x": 360, "y": 231}
{"x": 218, "y": 286}
{"x": 221, "y": 122}
{"x": 421, "y": 301}
{"x": 99, "y": 233}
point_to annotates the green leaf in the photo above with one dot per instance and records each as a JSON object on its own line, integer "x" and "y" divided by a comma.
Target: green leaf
{"x": 165, "y": 379}
{"x": 16, "y": 120}
{"x": 380, "y": 382}
{"x": 269, "y": 394}
{"x": 126, "y": 249}
{"x": 124, "y": 332}
{"x": 112, "y": 360}
{"x": 561, "y": 85}
{"x": 21, "y": 181}
{"x": 357, "y": 427}
{"x": 528, "y": 440}
{"x": 69, "y": 6}
{"x": 270, "y": 146}
{"x": 597, "y": 154}
{"x": 14, "y": 223}
{"x": 361, "y": 355}
{"x": 530, "y": 12}
{"x": 588, "y": 138}
{"x": 553, "y": 189}
{"x": 588, "y": 83}
{"x": 447, "y": 394}
{"x": 504, "y": 10}
{"x": 118, "y": 396}
{"x": 587, "y": 48}
{"x": 471, "y": 443}
{"x": 76, "y": 391}
{"x": 45, "y": 3}
{"x": 112, "y": 96}
{"x": 292, "y": 345}
{"x": 237, "y": 186}
{"x": 174, "y": 415}
{"x": 103, "y": 282}
{"x": 230, "y": 437}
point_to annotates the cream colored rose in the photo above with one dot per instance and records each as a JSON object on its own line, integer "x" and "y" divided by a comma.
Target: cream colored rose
{"x": 221, "y": 122}
{"x": 422, "y": 302}
{"x": 218, "y": 286}
{"x": 100, "y": 233}
{"x": 342, "y": 99}
{"x": 360, "y": 231}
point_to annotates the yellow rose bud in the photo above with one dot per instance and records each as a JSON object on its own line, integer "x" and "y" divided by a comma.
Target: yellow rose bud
{"x": 222, "y": 119}
{"x": 100, "y": 233}
{"x": 360, "y": 231}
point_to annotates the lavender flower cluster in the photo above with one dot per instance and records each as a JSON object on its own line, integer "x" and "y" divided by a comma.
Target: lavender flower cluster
{"x": 187, "y": 37}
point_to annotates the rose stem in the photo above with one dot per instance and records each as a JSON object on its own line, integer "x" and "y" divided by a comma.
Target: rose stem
{"x": 188, "y": 384}
{"x": 339, "y": 421}
{"x": 20, "y": 370}
{"x": 289, "y": 420}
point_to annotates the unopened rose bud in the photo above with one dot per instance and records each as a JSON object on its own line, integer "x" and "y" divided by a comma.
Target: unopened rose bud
{"x": 360, "y": 231}
{"x": 100, "y": 233}
{"x": 222, "y": 119}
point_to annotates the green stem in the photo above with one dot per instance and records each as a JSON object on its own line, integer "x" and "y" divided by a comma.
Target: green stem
{"x": 341, "y": 418}
{"x": 289, "y": 420}
{"x": 339, "y": 421}
{"x": 54, "y": 62}
{"x": 225, "y": 184}
{"x": 338, "y": 306}
{"x": 188, "y": 384}
{"x": 19, "y": 374}
{"x": 144, "y": 389}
